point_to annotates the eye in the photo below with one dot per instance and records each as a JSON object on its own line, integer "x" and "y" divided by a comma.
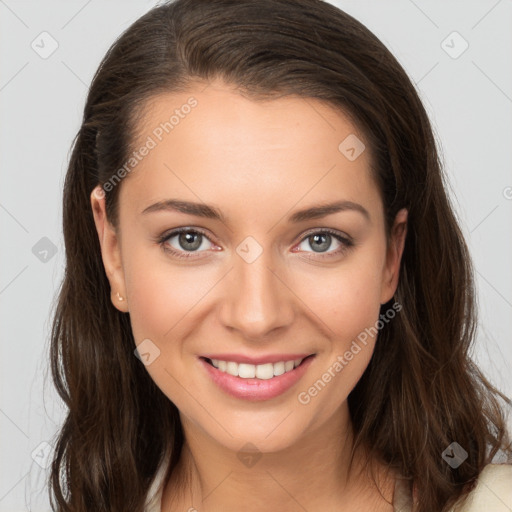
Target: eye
{"x": 187, "y": 240}
{"x": 320, "y": 241}
{"x": 184, "y": 242}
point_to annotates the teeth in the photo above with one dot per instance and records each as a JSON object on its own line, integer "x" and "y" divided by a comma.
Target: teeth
{"x": 232, "y": 368}
{"x": 263, "y": 371}
{"x": 246, "y": 371}
{"x": 279, "y": 368}
{"x": 289, "y": 365}
{"x": 260, "y": 371}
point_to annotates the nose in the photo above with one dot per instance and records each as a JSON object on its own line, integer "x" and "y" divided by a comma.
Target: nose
{"x": 257, "y": 301}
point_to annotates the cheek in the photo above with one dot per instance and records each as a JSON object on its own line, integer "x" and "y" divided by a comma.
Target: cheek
{"x": 160, "y": 297}
{"x": 347, "y": 298}
{"x": 347, "y": 301}
{"x": 351, "y": 311}
{"x": 358, "y": 303}
{"x": 162, "y": 300}
{"x": 160, "y": 293}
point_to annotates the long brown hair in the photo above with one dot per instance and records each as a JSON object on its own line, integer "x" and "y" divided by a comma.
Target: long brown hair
{"x": 420, "y": 392}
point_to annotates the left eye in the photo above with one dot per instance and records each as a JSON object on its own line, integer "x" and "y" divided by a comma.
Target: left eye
{"x": 320, "y": 241}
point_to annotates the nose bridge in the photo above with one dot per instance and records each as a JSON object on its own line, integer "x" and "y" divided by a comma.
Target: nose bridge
{"x": 257, "y": 301}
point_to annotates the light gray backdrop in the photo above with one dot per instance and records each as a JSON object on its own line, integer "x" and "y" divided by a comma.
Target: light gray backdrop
{"x": 50, "y": 51}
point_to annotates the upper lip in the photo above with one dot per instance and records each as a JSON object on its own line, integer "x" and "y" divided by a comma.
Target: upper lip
{"x": 270, "y": 358}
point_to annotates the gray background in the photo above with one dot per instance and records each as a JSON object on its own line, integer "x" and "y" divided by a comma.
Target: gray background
{"x": 468, "y": 96}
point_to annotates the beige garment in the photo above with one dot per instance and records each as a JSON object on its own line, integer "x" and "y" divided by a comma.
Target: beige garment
{"x": 154, "y": 498}
{"x": 493, "y": 492}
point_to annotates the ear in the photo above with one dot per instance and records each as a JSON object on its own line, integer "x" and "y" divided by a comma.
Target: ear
{"x": 110, "y": 250}
{"x": 394, "y": 256}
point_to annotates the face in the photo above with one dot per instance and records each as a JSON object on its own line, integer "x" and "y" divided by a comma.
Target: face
{"x": 251, "y": 277}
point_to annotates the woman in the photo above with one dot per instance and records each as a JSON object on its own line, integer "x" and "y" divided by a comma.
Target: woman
{"x": 268, "y": 302}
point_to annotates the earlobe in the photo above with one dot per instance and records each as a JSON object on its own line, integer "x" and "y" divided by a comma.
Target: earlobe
{"x": 110, "y": 250}
{"x": 394, "y": 256}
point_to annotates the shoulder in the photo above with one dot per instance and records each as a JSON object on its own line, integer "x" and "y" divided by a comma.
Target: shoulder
{"x": 493, "y": 491}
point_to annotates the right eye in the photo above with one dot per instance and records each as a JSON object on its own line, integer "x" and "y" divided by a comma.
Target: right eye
{"x": 187, "y": 240}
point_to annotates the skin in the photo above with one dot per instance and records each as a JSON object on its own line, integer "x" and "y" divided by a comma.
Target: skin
{"x": 257, "y": 162}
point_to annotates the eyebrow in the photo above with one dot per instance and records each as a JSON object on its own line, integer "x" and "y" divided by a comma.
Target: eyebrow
{"x": 211, "y": 212}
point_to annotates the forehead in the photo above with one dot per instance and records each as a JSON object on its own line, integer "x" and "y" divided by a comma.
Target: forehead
{"x": 218, "y": 113}
{"x": 212, "y": 142}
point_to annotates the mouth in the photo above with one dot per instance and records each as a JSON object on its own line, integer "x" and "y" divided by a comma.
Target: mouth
{"x": 263, "y": 371}
{"x": 256, "y": 382}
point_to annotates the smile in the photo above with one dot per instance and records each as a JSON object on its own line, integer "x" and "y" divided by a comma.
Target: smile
{"x": 260, "y": 371}
{"x": 255, "y": 382}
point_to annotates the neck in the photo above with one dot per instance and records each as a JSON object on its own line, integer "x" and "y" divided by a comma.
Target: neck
{"x": 312, "y": 473}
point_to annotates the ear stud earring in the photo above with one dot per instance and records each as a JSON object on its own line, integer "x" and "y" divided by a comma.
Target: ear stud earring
{"x": 119, "y": 296}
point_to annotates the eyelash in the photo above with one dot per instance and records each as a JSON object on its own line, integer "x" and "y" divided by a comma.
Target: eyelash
{"x": 347, "y": 243}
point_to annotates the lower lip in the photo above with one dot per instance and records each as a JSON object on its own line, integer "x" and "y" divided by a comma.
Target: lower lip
{"x": 256, "y": 389}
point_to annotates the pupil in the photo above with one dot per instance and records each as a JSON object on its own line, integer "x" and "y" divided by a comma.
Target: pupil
{"x": 323, "y": 246}
{"x": 188, "y": 238}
